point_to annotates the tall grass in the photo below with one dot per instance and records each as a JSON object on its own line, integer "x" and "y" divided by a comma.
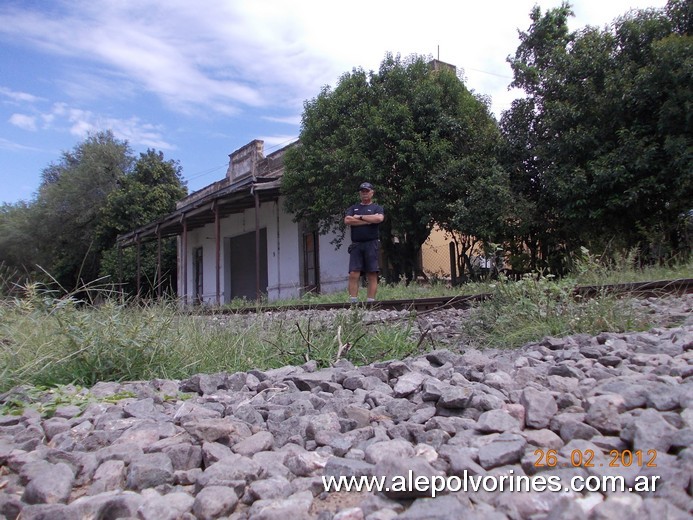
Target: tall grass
{"x": 589, "y": 269}
{"x": 49, "y": 339}
{"x": 534, "y": 307}
{"x": 541, "y": 305}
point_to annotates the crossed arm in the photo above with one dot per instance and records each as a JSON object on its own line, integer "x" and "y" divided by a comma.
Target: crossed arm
{"x": 362, "y": 220}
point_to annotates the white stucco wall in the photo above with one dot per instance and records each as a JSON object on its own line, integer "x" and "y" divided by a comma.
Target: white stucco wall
{"x": 334, "y": 266}
{"x": 284, "y": 242}
{"x": 283, "y": 251}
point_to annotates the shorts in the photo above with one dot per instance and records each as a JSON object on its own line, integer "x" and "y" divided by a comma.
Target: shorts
{"x": 363, "y": 256}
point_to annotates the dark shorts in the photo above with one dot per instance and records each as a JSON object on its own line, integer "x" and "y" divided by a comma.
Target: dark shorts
{"x": 363, "y": 256}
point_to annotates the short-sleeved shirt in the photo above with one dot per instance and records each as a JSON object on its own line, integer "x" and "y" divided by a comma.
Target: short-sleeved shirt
{"x": 370, "y": 231}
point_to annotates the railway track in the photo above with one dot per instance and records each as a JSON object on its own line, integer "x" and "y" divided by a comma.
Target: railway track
{"x": 641, "y": 289}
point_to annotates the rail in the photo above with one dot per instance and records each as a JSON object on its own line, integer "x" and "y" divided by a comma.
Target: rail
{"x": 641, "y": 289}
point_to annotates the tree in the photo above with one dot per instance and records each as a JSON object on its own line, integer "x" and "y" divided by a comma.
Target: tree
{"x": 150, "y": 191}
{"x": 67, "y": 234}
{"x": 529, "y": 135}
{"x": 69, "y": 205}
{"x": 653, "y": 149}
{"x": 600, "y": 148}
{"x": 15, "y": 245}
{"x": 407, "y": 129}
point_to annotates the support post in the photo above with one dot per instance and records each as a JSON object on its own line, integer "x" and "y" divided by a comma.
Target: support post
{"x": 120, "y": 267}
{"x": 158, "y": 261}
{"x": 184, "y": 254}
{"x": 453, "y": 265}
{"x": 217, "y": 237}
{"x": 139, "y": 266}
{"x": 258, "y": 294}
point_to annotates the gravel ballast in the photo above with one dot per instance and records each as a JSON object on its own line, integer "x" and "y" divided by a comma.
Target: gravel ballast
{"x": 257, "y": 444}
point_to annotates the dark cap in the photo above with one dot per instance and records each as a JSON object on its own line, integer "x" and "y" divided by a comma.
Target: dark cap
{"x": 365, "y": 186}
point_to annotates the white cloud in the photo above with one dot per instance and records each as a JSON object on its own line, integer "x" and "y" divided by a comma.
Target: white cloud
{"x": 227, "y": 56}
{"x": 19, "y": 97}
{"x": 290, "y": 120}
{"x": 207, "y": 77}
{"x": 80, "y": 123}
{"x": 137, "y": 132}
{"x": 277, "y": 141}
{"x": 6, "y": 144}
{"x": 141, "y": 45}
{"x": 23, "y": 121}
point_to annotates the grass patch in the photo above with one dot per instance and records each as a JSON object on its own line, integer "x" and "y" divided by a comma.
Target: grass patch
{"x": 589, "y": 270}
{"x": 46, "y": 400}
{"x": 532, "y": 308}
{"x": 49, "y": 340}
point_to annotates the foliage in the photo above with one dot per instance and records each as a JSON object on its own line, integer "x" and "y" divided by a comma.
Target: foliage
{"x": 597, "y": 155}
{"x": 15, "y": 227}
{"x": 50, "y": 340}
{"x": 46, "y": 400}
{"x": 94, "y": 192}
{"x": 76, "y": 342}
{"x": 148, "y": 192}
{"x": 416, "y": 133}
{"x": 69, "y": 206}
{"x": 535, "y": 307}
{"x": 600, "y": 149}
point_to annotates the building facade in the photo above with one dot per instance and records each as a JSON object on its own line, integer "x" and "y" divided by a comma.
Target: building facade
{"x": 235, "y": 240}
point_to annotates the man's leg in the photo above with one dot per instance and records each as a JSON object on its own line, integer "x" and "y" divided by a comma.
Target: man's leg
{"x": 354, "y": 278}
{"x": 372, "y": 268}
{"x": 372, "y": 285}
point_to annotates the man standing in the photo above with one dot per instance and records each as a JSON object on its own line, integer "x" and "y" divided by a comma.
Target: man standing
{"x": 364, "y": 220}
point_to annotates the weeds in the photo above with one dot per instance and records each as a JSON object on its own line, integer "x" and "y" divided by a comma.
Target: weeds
{"x": 46, "y": 400}
{"x": 534, "y": 307}
{"x": 49, "y": 339}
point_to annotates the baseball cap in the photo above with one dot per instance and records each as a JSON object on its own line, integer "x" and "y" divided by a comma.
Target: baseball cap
{"x": 365, "y": 186}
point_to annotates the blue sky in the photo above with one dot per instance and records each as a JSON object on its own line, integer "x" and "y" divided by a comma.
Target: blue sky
{"x": 199, "y": 79}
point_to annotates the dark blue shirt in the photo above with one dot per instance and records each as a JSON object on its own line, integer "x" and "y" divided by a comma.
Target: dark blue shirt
{"x": 370, "y": 231}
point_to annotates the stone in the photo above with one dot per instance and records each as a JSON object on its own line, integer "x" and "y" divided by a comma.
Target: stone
{"x": 50, "y": 484}
{"x": 603, "y": 413}
{"x": 260, "y": 441}
{"x": 408, "y": 383}
{"x": 540, "y": 407}
{"x": 148, "y": 471}
{"x": 497, "y": 421}
{"x": 258, "y": 444}
{"x": 171, "y": 506}
{"x": 214, "y": 502}
{"x": 294, "y": 506}
{"x": 401, "y": 474}
{"x": 395, "y": 448}
{"x": 505, "y": 449}
{"x": 455, "y": 397}
{"x": 110, "y": 476}
{"x": 650, "y": 431}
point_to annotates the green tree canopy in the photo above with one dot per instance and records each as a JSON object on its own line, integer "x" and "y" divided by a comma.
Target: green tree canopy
{"x": 15, "y": 228}
{"x": 412, "y": 130}
{"x": 145, "y": 194}
{"x": 68, "y": 208}
{"x": 97, "y": 190}
{"x": 600, "y": 149}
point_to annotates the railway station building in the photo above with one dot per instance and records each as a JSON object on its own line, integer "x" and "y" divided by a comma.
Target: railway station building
{"x": 235, "y": 239}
